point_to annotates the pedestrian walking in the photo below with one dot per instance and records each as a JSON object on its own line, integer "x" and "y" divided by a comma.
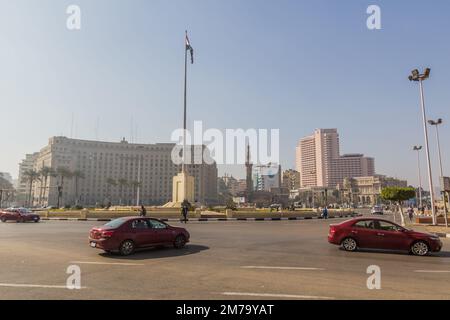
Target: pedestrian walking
{"x": 325, "y": 213}
{"x": 410, "y": 214}
{"x": 184, "y": 210}
{"x": 143, "y": 211}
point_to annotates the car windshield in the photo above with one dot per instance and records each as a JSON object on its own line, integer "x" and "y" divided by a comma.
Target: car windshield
{"x": 115, "y": 223}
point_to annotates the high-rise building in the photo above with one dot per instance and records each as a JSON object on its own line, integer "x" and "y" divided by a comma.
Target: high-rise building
{"x": 112, "y": 172}
{"x": 22, "y": 185}
{"x": 267, "y": 177}
{"x": 7, "y": 176}
{"x": 320, "y": 164}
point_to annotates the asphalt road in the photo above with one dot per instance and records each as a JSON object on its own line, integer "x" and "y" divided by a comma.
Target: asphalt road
{"x": 225, "y": 260}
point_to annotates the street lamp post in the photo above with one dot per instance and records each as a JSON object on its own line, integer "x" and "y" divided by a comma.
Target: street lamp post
{"x": 416, "y": 76}
{"x": 436, "y": 124}
{"x": 138, "y": 190}
{"x": 139, "y": 180}
{"x": 418, "y": 148}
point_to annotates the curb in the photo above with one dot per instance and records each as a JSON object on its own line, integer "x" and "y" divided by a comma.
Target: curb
{"x": 212, "y": 219}
{"x": 442, "y": 235}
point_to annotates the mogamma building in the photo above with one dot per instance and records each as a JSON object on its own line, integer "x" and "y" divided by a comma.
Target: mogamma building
{"x": 111, "y": 172}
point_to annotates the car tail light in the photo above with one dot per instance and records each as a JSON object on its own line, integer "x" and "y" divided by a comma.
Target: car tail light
{"x": 107, "y": 234}
{"x": 332, "y": 230}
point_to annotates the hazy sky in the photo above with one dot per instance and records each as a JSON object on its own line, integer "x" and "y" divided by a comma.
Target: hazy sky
{"x": 293, "y": 65}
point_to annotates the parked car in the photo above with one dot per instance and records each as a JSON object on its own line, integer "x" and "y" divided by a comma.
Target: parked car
{"x": 376, "y": 233}
{"x": 126, "y": 235}
{"x": 377, "y": 210}
{"x": 19, "y": 215}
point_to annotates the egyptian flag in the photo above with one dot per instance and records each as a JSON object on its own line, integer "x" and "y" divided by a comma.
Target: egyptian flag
{"x": 189, "y": 47}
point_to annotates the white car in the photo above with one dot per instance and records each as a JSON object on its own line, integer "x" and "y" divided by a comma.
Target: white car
{"x": 377, "y": 210}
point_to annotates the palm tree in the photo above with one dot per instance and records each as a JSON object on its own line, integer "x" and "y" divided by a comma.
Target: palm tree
{"x": 111, "y": 183}
{"x": 44, "y": 173}
{"x": 62, "y": 173}
{"x": 77, "y": 174}
{"x": 30, "y": 176}
{"x": 122, "y": 183}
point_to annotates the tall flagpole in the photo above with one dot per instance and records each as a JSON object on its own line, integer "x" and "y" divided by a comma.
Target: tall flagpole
{"x": 183, "y": 170}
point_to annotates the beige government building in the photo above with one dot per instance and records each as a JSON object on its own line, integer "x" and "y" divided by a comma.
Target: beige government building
{"x": 103, "y": 163}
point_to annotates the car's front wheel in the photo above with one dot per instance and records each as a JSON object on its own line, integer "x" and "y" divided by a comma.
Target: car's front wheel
{"x": 180, "y": 241}
{"x": 126, "y": 248}
{"x": 420, "y": 248}
{"x": 3, "y": 219}
{"x": 349, "y": 244}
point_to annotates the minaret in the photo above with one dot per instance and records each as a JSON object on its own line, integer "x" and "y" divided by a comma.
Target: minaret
{"x": 249, "y": 168}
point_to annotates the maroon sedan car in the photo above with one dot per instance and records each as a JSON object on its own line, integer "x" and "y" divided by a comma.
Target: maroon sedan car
{"x": 373, "y": 233}
{"x": 19, "y": 215}
{"x": 125, "y": 235}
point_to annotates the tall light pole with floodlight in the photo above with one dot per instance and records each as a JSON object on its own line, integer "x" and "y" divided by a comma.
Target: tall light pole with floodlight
{"x": 417, "y": 76}
{"x": 418, "y": 148}
{"x": 436, "y": 124}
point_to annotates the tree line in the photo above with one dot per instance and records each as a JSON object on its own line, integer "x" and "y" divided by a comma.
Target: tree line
{"x": 31, "y": 177}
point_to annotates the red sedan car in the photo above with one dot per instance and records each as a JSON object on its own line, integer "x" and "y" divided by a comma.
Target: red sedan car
{"x": 125, "y": 235}
{"x": 19, "y": 215}
{"x": 373, "y": 233}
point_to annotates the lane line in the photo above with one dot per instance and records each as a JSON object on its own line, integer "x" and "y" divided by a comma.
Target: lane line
{"x": 276, "y": 295}
{"x": 25, "y": 285}
{"x": 282, "y": 268}
{"x": 108, "y": 263}
{"x": 432, "y": 271}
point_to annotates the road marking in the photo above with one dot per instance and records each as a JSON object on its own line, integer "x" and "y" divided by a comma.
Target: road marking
{"x": 275, "y": 295}
{"x": 25, "y": 285}
{"x": 108, "y": 263}
{"x": 432, "y": 271}
{"x": 282, "y": 268}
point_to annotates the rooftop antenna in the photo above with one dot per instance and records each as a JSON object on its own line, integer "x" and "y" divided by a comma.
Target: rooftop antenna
{"x": 71, "y": 127}
{"x": 96, "y": 128}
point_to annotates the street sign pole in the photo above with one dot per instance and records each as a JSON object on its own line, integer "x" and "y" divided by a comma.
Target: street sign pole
{"x": 445, "y": 187}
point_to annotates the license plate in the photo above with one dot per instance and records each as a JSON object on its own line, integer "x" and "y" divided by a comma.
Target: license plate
{"x": 93, "y": 244}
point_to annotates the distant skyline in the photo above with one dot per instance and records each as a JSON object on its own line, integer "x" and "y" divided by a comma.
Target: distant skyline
{"x": 289, "y": 65}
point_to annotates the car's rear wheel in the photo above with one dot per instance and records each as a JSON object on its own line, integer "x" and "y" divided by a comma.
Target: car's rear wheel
{"x": 349, "y": 244}
{"x": 420, "y": 248}
{"x": 180, "y": 241}
{"x": 36, "y": 220}
{"x": 126, "y": 248}
{"x": 3, "y": 219}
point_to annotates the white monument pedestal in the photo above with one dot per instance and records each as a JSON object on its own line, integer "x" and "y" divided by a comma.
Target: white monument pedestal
{"x": 182, "y": 189}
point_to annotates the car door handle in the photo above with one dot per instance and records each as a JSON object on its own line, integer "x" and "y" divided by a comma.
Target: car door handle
{"x": 380, "y": 234}
{"x": 355, "y": 232}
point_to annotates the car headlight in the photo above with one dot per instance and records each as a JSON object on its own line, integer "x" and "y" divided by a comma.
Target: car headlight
{"x": 435, "y": 238}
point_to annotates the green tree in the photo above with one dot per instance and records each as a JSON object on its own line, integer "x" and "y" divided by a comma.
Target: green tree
{"x": 398, "y": 195}
{"x": 77, "y": 175}
{"x": 122, "y": 183}
{"x": 63, "y": 173}
{"x": 44, "y": 173}
{"x": 231, "y": 205}
{"x": 30, "y": 176}
{"x": 111, "y": 183}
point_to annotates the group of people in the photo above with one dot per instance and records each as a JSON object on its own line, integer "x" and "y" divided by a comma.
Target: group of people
{"x": 184, "y": 211}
